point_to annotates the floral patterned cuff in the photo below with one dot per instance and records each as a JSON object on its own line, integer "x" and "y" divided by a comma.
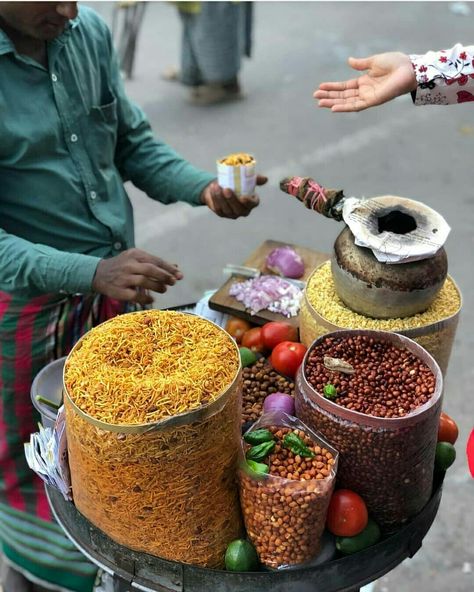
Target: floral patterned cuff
{"x": 444, "y": 77}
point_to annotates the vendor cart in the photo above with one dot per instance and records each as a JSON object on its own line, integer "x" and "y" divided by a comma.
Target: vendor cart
{"x": 133, "y": 571}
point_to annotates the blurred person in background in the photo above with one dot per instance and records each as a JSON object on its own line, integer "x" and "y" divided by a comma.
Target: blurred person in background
{"x": 215, "y": 37}
{"x": 70, "y": 137}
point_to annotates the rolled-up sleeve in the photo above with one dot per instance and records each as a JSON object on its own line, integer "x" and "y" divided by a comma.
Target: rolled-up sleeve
{"x": 444, "y": 77}
{"x": 25, "y": 265}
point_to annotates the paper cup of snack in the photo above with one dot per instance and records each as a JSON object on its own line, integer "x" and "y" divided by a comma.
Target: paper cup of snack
{"x": 237, "y": 172}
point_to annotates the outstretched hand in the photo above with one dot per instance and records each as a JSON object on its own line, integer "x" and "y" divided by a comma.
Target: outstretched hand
{"x": 226, "y": 204}
{"x": 389, "y": 75}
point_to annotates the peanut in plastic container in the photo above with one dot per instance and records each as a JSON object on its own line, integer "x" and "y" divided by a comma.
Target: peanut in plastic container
{"x": 285, "y": 518}
{"x": 387, "y": 461}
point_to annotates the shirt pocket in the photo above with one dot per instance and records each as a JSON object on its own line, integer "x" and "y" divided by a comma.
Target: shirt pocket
{"x": 102, "y": 139}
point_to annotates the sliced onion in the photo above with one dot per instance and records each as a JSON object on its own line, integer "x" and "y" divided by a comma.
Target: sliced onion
{"x": 286, "y": 262}
{"x": 279, "y": 402}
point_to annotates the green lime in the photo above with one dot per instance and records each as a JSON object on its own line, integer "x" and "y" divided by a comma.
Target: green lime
{"x": 241, "y": 556}
{"x": 445, "y": 455}
{"x": 368, "y": 537}
{"x": 247, "y": 356}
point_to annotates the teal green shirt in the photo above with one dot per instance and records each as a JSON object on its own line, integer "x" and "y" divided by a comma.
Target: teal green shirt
{"x": 69, "y": 138}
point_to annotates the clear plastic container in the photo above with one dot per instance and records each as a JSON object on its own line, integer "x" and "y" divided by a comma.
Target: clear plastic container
{"x": 285, "y": 518}
{"x": 167, "y": 488}
{"x": 388, "y": 461}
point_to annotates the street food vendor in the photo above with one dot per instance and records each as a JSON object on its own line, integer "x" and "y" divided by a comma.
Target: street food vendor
{"x": 69, "y": 138}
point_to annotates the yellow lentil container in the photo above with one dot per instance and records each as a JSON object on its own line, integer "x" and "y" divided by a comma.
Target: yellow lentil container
{"x": 322, "y": 311}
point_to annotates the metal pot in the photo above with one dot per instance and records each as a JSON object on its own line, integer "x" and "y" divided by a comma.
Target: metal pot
{"x": 384, "y": 291}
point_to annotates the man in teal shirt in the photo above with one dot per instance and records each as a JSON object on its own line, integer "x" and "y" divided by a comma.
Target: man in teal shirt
{"x": 69, "y": 138}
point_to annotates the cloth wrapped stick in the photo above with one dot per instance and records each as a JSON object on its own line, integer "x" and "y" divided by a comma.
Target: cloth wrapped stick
{"x": 327, "y": 202}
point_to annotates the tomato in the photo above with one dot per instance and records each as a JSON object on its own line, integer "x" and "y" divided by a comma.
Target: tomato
{"x": 448, "y": 430}
{"x": 278, "y": 331}
{"x": 470, "y": 453}
{"x": 253, "y": 340}
{"x": 347, "y": 513}
{"x": 236, "y": 328}
{"x": 287, "y": 357}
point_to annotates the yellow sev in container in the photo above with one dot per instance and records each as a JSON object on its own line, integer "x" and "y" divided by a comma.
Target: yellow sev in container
{"x": 322, "y": 311}
{"x": 152, "y": 405}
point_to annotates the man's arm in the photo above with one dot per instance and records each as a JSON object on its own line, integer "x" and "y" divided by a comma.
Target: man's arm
{"x": 25, "y": 266}
{"x": 150, "y": 164}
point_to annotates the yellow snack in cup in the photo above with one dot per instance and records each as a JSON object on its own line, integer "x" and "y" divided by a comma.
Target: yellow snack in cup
{"x": 237, "y": 172}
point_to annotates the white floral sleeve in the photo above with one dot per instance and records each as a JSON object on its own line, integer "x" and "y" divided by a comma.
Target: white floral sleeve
{"x": 444, "y": 77}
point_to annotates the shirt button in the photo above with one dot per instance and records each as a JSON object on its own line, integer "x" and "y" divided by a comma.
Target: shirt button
{"x": 117, "y": 246}
{"x": 93, "y": 194}
{"x": 73, "y": 138}
{"x": 54, "y": 78}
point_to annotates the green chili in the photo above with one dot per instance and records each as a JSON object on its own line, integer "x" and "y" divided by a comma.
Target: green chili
{"x": 330, "y": 392}
{"x": 258, "y": 436}
{"x": 296, "y": 445}
{"x": 257, "y": 467}
{"x": 260, "y": 451}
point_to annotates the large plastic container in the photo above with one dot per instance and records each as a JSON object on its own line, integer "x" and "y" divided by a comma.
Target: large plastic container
{"x": 388, "y": 461}
{"x": 432, "y": 330}
{"x": 166, "y": 488}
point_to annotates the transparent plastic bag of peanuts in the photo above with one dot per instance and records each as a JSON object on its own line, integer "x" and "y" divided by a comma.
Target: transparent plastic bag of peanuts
{"x": 285, "y": 517}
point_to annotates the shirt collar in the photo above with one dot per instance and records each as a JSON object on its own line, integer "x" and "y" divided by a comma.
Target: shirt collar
{"x": 6, "y": 46}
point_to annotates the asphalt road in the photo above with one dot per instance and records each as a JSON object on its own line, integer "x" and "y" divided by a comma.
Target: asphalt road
{"x": 425, "y": 153}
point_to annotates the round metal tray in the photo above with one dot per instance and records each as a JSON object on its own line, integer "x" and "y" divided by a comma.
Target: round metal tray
{"x": 139, "y": 571}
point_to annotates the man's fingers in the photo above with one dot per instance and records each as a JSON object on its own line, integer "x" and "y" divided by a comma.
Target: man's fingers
{"x": 154, "y": 272}
{"x": 170, "y": 268}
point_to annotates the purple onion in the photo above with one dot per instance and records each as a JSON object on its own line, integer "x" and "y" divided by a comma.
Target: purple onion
{"x": 286, "y": 262}
{"x": 279, "y": 402}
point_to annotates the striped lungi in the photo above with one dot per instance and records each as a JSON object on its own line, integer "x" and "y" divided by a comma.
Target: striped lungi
{"x": 32, "y": 334}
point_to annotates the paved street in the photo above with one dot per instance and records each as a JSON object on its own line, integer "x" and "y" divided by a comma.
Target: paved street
{"x": 425, "y": 153}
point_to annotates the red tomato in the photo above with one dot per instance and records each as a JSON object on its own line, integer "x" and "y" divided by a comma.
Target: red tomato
{"x": 253, "y": 340}
{"x": 287, "y": 357}
{"x": 470, "y": 452}
{"x": 278, "y": 331}
{"x": 448, "y": 430}
{"x": 347, "y": 513}
{"x": 237, "y": 327}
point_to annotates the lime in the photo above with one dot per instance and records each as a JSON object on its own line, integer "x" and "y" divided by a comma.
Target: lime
{"x": 247, "y": 356}
{"x": 241, "y": 556}
{"x": 445, "y": 455}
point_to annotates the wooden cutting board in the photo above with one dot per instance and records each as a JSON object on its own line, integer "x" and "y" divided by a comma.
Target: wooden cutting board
{"x": 222, "y": 302}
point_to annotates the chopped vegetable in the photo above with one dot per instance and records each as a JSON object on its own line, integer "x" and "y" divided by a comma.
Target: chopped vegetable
{"x": 258, "y": 436}
{"x": 296, "y": 445}
{"x": 268, "y": 292}
{"x": 330, "y": 392}
{"x": 261, "y": 451}
{"x": 279, "y": 402}
{"x": 286, "y": 262}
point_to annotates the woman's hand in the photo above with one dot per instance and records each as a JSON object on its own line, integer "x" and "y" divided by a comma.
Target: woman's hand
{"x": 225, "y": 203}
{"x": 389, "y": 75}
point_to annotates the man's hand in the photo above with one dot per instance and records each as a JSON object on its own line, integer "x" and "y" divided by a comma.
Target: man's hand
{"x": 389, "y": 75}
{"x": 131, "y": 274}
{"x": 226, "y": 204}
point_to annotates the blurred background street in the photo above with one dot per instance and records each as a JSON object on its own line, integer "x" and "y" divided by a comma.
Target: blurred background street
{"x": 424, "y": 153}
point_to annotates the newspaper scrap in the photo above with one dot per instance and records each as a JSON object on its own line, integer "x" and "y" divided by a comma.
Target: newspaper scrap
{"x": 423, "y": 241}
{"x": 46, "y": 455}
